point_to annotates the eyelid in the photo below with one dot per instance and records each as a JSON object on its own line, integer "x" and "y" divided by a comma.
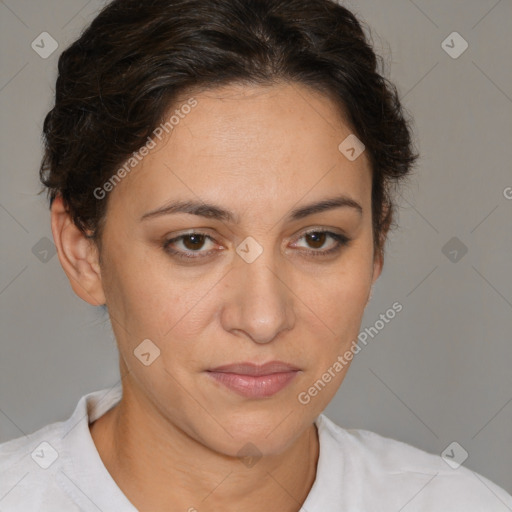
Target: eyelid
{"x": 181, "y": 235}
{"x": 189, "y": 256}
{"x": 340, "y": 238}
{"x": 319, "y": 229}
{"x": 306, "y": 231}
{"x": 340, "y": 241}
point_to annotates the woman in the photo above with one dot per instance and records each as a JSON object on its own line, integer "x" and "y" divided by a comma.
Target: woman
{"x": 220, "y": 177}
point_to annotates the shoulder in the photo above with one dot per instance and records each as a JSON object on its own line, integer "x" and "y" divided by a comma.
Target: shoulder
{"x": 38, "y": 472}
{"x": 432, "y": 482}
{"x": 30, "y": 469}
{"x": 17, "y": 452}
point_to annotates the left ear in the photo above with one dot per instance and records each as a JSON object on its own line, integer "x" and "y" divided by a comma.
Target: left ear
{"x": 378, "y": 264}
{"x": 378, "y": 261}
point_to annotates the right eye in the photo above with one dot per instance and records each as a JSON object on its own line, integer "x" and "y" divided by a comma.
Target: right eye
{"x": 192, "y": 243}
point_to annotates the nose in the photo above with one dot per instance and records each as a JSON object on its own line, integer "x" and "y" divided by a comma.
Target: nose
{"x": 259, "y": 303}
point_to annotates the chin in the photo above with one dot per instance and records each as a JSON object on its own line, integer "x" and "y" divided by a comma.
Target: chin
{"x": 267, "y": 432}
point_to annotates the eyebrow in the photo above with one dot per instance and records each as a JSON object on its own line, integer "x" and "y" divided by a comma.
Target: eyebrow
{"x": 212, "y": 211}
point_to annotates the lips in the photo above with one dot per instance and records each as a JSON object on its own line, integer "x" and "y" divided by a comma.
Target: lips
{"x": 254, "y": 381}
{"x": 255, "y": 369}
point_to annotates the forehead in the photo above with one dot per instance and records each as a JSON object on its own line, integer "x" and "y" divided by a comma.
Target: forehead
{"x": 248, "y": 143}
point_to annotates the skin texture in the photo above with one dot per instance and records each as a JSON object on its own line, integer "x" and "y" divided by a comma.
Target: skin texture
{"x": 260, "y": 152}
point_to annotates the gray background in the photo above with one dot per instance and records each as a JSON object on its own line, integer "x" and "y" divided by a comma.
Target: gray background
{"x": 440, "y": 371}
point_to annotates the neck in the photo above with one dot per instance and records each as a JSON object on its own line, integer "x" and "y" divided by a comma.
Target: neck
{"x": 159, "y": 467}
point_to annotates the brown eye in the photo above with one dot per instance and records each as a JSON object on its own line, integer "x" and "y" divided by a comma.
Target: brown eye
{"x": 194, "y": 242}
{"x": 188, "y": 245}
{"x": 316, "y": 239}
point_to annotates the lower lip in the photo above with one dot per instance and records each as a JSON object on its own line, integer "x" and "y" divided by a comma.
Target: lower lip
{"x": 252, "y": 386}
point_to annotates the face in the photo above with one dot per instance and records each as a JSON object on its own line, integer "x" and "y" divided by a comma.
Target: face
{"x": 254, "y": 285}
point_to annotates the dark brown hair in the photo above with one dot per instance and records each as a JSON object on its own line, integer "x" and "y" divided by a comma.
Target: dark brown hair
{"x": 117, "y": 82}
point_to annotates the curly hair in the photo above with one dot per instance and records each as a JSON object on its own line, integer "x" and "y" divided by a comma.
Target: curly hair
{"x": 118, "y": 80}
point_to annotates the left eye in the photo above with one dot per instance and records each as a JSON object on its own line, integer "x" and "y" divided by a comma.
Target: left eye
{"x": 194, "y": 242}
{"x": 318, "y": 238}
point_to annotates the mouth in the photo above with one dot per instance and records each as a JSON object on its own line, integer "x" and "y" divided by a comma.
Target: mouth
{"x": 255, "y": 381}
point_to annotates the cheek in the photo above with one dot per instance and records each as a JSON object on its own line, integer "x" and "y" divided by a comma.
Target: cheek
{"x": 339, "y": 297}
{"x": 174, "y": 309}
{"x": 331, "y": 333}
{"x": 335, "y": 324}
{"x": 334, "y": 312}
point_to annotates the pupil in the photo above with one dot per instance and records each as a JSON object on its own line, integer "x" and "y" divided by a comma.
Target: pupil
{"x": 195, "y": 241}
{"x": 320, "y": 239}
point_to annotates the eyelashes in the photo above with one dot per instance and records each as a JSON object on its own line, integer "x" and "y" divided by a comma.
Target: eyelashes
{"x": 196, "y": 240}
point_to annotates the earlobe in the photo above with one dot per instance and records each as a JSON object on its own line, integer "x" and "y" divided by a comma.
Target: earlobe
{"x": 78, "y": 255}
{"x": 378, "y": 264}
{"x": 377, "y": 269}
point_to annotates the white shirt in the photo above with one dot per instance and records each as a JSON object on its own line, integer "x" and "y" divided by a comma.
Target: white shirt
{"x": 58, "y": 468}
